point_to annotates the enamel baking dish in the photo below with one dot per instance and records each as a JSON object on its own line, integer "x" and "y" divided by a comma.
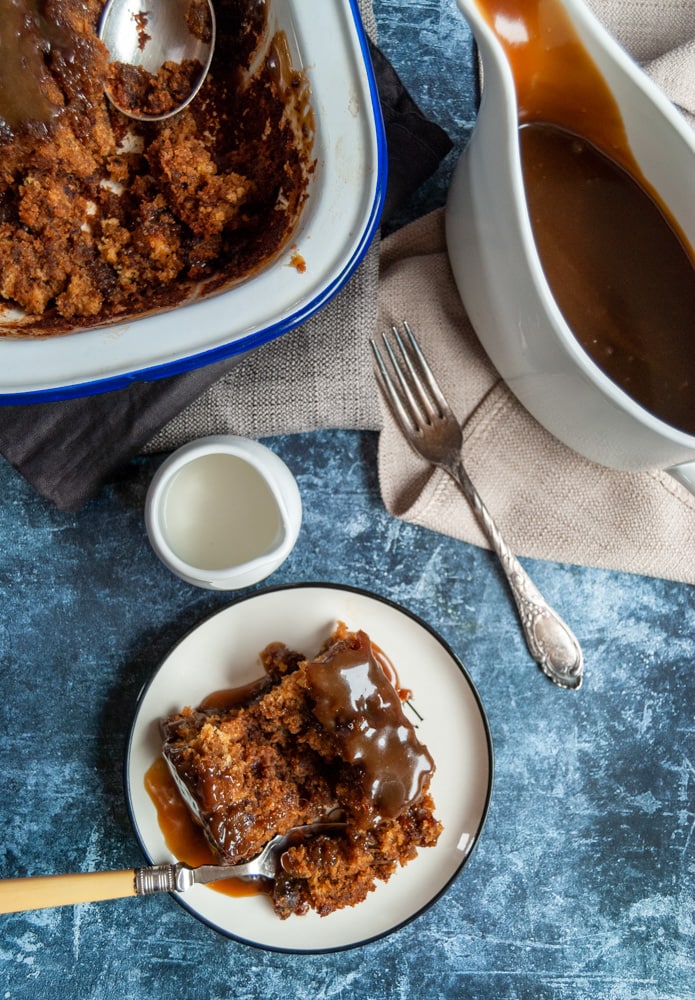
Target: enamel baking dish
{"x": 336, "y": 226}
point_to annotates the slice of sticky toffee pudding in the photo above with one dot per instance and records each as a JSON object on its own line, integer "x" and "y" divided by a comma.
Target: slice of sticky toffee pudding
{"x": 311, "y": 737}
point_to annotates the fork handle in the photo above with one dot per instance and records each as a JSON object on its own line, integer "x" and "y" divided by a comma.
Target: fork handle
{"x": 38, "y": 892}
{"x": 41, "y": 891}
{"x": 551, "y": 642}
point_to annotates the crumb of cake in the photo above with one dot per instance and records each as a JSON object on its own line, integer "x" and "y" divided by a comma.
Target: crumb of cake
{"x": 104, "y": 219}
{"x": 141, "y": 18}
{"x": 135, "y": 89}
{"x": 198, "y": 20}
{"x": 311, "y": 738}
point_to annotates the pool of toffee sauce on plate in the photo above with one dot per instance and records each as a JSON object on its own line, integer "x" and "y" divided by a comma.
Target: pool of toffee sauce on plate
{"x": 619, "y": 267}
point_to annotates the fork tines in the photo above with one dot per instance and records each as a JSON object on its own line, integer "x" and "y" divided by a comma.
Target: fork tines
{"x": 416, "y": 389}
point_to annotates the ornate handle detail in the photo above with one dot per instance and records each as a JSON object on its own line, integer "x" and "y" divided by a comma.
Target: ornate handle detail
{"x": 157, "y": 878}
{"x": 551, "y": 642}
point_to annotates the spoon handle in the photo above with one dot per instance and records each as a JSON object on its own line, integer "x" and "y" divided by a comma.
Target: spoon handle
{"x": 550, "y": 641}
{"x": 42, "y": 891}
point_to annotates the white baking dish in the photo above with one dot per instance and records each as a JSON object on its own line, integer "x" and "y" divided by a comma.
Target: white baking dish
{"x": 337, "y": 224}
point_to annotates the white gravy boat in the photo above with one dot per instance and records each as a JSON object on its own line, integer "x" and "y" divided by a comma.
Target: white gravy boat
{"x": 498, "y": 271}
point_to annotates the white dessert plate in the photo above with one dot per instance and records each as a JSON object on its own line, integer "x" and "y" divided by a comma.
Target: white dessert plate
{"x": 223, "y": 651}
{"x": 337, "y": 224}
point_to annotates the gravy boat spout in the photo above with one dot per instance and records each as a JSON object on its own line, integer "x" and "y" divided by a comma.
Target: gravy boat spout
{"x": 495, "y": 258}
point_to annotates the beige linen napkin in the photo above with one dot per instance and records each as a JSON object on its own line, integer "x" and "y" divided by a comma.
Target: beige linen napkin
{"x": 660, "y": 35}
{"x": 548, "y": 501}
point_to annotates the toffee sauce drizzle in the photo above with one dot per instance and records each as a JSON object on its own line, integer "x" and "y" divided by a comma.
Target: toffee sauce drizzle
{"x": 355, "y": 701}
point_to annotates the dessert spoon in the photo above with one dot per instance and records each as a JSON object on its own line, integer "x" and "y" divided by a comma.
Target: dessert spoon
{"x": 43, "y": 891}
{"x": 143, "y": 35}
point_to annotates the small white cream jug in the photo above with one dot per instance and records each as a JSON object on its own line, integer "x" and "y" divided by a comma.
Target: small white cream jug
{"x": 223, "y": 512}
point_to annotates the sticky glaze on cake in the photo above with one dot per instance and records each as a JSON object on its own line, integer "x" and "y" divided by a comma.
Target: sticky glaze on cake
{"x": 311, "y": 737}
{"x": 103, "y": 219}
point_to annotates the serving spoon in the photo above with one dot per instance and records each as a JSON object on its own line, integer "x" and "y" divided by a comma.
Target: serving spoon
{"x": 146, "y": 35}
{"x": 43, "y": 891}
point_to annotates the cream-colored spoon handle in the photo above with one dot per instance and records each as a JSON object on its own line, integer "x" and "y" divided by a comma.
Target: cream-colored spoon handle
{"x": 41, "y": 891}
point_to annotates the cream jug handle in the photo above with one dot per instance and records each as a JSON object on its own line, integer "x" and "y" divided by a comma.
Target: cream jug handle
{"x": 685, "y": 474}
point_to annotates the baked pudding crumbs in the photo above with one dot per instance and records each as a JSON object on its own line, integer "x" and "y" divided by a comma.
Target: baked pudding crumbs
{"x": 314, "y": 738}
{"x": 102, "y": 218}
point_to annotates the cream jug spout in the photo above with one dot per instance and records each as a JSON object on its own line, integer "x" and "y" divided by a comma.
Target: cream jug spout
{"x": 494, "y": 252}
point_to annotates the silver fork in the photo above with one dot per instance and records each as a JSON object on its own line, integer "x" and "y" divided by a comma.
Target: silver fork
{"x": 431, "y": 428}
{"x": 37, "y": 892}
{"x": 180, "y": 876}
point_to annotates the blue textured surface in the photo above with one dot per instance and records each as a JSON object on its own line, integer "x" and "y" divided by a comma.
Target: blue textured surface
{"x": 430, "y": 45}
{"x": 583, "y": 884}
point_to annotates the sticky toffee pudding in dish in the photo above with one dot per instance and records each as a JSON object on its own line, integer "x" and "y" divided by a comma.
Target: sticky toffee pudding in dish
{"x": 103, "y": 219}
{"x": 312, "y": 738}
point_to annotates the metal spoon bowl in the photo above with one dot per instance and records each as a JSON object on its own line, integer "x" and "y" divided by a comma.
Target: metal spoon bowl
{"x": 145, "y": 35}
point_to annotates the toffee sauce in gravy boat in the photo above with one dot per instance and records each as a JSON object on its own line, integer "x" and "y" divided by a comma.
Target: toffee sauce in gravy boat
{"x": 558, "y": 94}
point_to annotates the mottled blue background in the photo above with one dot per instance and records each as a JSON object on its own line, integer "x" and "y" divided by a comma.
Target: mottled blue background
{"x": 583, "y": 884}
